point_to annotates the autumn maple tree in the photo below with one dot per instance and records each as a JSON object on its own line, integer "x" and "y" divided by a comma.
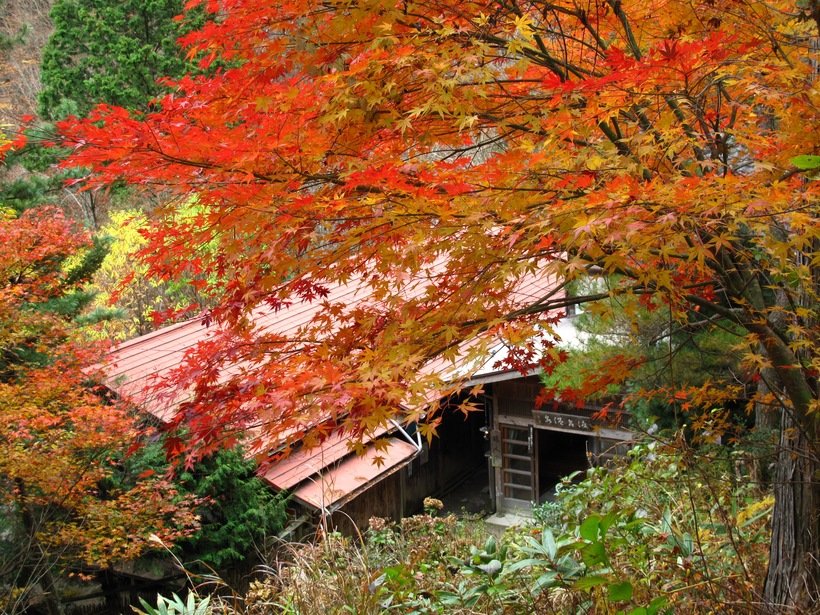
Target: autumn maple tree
{"x": 434, "y": 155}
{"x": 64, "y": 507}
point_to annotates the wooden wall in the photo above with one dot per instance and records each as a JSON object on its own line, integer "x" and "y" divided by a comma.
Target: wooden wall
{"x": 516, "y": 397}
{"x": 384, "y": 499}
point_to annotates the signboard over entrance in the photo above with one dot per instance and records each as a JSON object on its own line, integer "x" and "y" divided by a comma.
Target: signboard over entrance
{"x": 557, "y": 420}
{"x": 583, "y": 422}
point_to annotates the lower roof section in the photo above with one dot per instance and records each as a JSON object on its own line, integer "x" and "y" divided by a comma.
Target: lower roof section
{"x": 288, "y": 472}
{"x": 340, "y": 482}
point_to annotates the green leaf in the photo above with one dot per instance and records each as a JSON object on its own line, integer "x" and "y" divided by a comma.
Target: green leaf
{"x": 545, "y": 580}
{"x": 657, "y": 604}
{"x": 491, "y": 568}
{"x": 686, "y": 545}
{"x": 806, "y": 162}
{"x": 607, "y": 522}
{"x": 530, "y": 562}
{"x": 548, "y": 542}
{"x": 666, "y": 521}
{"x": 589, "y": 528}
{"x": 448, "y": 598}
{"x": 589, "y": 581}
{"x": 594, "y": 554}
{"x": 618, "y": 592}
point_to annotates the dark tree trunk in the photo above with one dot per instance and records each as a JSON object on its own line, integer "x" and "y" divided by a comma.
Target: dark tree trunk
{"x": 793, "y": 579}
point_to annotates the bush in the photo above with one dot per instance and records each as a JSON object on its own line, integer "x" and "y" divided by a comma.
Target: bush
{"x": 668, "y": 525}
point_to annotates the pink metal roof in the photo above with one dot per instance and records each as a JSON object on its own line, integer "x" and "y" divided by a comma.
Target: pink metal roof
{"x": 133, "y": 366}
{"x": 341, "y": 482}
{"x": 292, "y": 470}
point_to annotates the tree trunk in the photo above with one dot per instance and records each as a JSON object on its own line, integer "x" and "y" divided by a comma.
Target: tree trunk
{"x": 767, "y": 424}
{"x": 793, "y": 579}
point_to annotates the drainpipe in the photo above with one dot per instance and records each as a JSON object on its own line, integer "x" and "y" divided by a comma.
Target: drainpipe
{"x": 407, "y": 436}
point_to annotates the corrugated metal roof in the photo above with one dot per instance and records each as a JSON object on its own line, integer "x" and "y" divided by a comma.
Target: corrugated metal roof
{"x": 134, "y": 366}
{"x": 341, "y": 482}
{"x": 288, "y": 472}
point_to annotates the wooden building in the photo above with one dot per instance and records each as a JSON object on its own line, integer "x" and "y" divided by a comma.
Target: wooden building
{"x": 521, "y": 448}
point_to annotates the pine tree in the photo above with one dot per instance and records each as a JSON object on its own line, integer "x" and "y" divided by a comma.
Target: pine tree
{"x": 109, "y": 51}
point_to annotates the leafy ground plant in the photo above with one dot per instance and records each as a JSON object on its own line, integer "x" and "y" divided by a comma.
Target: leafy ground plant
{"x": 666, "y": 529}
{"x": 174, "y": 605}
{"x": 668, "y": 525}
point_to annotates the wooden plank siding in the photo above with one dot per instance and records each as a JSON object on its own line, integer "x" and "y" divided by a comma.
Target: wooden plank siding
{"x": 383, "y": 499}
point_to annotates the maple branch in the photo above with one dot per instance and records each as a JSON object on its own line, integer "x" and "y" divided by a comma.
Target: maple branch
{"x": 786, "y": 363}
{"x": 584, "y": 19}
{"x": 527, "y": 129}
{"x": 542, "y": 57}
{"x": 618, "y": 10}
{"x": 688, "y": 130}
{"x": 544, "y": 305}
{"x": 623, "y": 149}
{"x": 726, "y": 312}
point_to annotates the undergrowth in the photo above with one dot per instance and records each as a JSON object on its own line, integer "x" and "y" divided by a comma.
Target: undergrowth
{"x": 667, "y": 529}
